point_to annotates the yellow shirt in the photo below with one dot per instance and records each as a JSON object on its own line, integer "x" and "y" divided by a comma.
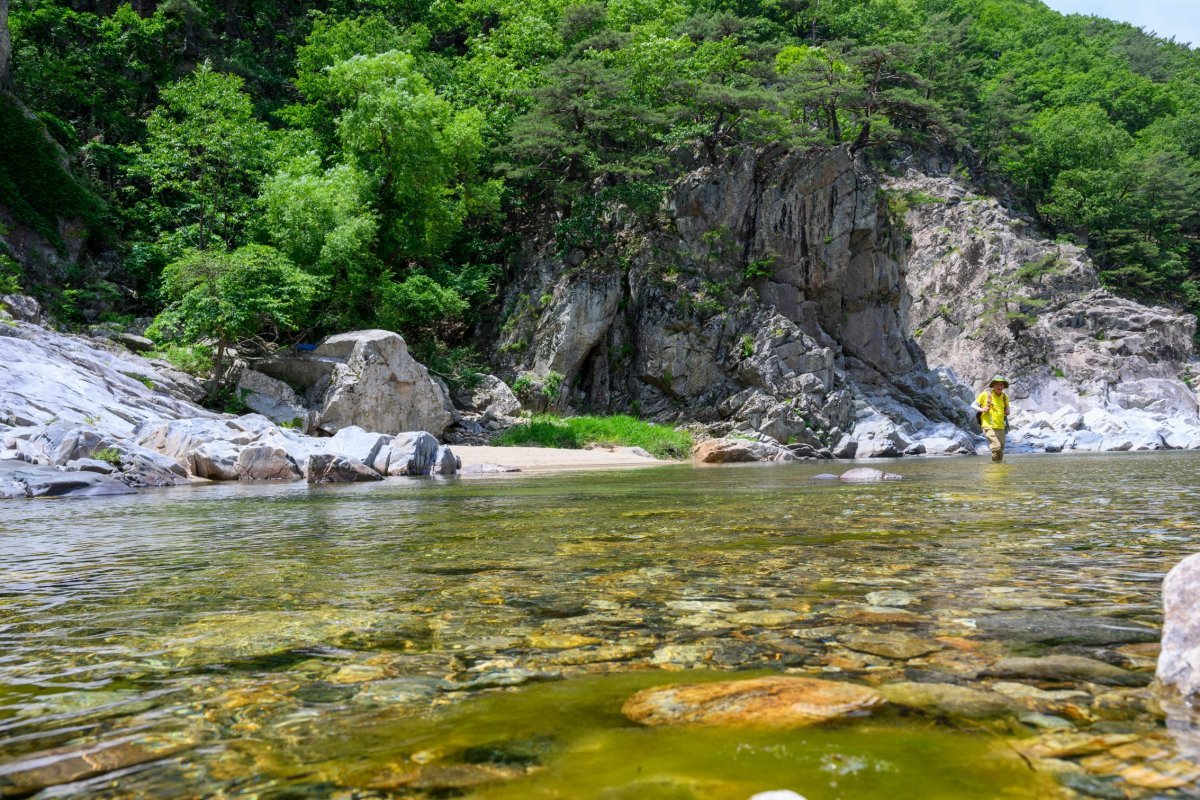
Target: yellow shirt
{"x": 996, "y": 418}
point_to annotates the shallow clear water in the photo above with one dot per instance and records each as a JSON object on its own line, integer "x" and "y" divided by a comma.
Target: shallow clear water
{"x": 477, "y": 637}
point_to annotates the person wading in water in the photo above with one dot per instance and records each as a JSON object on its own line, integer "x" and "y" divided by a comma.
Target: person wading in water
{"x": 991, "y": 409}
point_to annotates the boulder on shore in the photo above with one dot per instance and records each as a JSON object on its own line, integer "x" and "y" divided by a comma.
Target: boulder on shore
{"x": 367, "y": 379}
{"x": 733, "y": 451}
{"x": 1179, "y": 660}
{"x": 333, "y": 468}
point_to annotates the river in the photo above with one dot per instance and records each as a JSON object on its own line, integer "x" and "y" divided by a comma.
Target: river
{"x": 476, "y": 638}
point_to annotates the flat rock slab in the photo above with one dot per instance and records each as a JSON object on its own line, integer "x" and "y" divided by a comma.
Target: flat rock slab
{"x": 1066, "y": 667}
{"x": 1065, "y": 627}
{"x": 18, "y": 479}
{"x": 901, "y": 646}
{"x": 69, "y": 764}
{"x": 778, "y": 702}
{"x": 891, "y": 598}
{"x": 947, "y": 699}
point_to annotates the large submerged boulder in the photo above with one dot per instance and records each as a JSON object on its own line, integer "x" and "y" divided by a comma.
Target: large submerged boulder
{"x": 1179, "y": 661}
{"x": 366, "y": 379}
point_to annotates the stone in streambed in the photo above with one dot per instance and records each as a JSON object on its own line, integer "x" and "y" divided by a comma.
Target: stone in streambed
{"x": 891, "y": 598}
{"x": 901, "y": 646}
{"x": 411, "y": 453}
{"x": 1179, "y": 661}
{"x": 1031, "y": 698}
{"x": 1047, "y": 722}
{"x": 560, "y": 641}
{"x": 1065, "y": 667}
{"x": 61, "y": 765}
{"x": 782, "y": 702}
{"x": 1065, "y": 627}
{"x": 765, "y": 618}
{"x": 947, "y": 699}
{"x": 443, "y": 778}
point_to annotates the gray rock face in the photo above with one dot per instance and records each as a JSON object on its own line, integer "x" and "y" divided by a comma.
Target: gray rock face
{"x": 47, "y": 377}
{"x": 93, "y": 408}
{"x": 770, "y": 301}
{"x": 274, "y": 399}
{"x": 492, "y": 397}
{"x": 1090, "y": 371}
{"x": 19, "y": 480}
{"x": 1179, "y": 661}
{"x": 368, "y": 379}
{"x": 21, "y": 308}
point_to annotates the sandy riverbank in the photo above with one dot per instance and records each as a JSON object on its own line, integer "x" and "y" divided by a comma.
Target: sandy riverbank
{"x": 548, "y": 459}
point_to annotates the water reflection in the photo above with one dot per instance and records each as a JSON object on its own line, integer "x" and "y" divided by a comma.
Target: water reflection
{"x": 323, "y": 638}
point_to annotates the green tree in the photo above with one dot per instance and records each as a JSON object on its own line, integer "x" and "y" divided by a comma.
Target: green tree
{"x": 422, "y": 154}
{"x": 324, "y": 220}
{"x": 204, "y": 155}
{"x": 230, "y": 297}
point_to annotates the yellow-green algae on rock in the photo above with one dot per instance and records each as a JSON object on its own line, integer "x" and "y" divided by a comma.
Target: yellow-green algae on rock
{"x": 771, "y": 702}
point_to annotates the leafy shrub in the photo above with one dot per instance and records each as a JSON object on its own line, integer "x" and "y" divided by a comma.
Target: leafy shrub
{"x": 109, "y": 455}
{"x": 546, "y": 430}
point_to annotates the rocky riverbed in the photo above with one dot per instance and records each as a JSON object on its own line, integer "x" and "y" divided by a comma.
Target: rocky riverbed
{"x": 999, "y": 621}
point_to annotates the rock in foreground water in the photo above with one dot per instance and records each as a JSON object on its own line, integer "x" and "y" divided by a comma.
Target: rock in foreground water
{"x": 782, "y": 702}
{"x": 1179, "y": 661}
{"x": 866, "y": 474}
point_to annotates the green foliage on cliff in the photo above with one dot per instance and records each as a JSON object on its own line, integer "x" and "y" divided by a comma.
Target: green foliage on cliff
{"x": 402, "y": 151}
{"x": 34, "y": 186}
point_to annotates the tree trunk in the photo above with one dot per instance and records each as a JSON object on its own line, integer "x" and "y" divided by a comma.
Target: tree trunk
{"x": 5, "y": 47}
{"x": 218, "y": 370}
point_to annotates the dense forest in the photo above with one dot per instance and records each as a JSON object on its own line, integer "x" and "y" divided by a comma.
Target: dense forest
{"x": 250, "y": 168}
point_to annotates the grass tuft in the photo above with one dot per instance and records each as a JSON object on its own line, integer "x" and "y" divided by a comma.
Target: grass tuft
{"x": 547, "y": 430}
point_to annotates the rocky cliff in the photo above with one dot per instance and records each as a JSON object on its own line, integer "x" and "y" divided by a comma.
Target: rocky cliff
{"x": 769, "y": 297}
{"x": 798, "y": 298}
{"x": 1090, "y": 370}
